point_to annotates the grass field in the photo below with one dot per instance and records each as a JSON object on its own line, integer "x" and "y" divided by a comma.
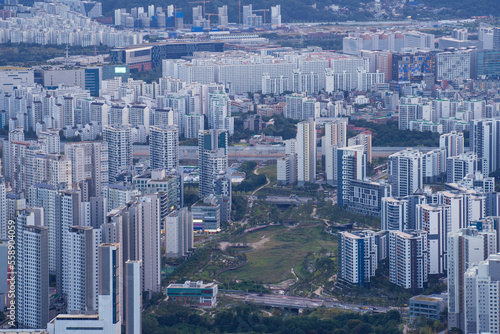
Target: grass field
{"x": 279, "y": 249}
{"x": 271, "y": 173}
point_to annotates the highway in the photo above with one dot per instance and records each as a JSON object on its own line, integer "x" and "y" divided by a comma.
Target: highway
{"x": 300, "y": 302}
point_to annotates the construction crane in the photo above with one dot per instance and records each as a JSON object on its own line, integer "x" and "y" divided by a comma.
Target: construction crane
{"x": 204, "y": 2}
{"x": 209, "y": 15}
{"x": 262, "y": 10}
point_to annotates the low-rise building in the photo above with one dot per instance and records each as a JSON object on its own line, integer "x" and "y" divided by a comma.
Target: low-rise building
{"x": 193, "y": 294}
{"x": 431, "y": 306}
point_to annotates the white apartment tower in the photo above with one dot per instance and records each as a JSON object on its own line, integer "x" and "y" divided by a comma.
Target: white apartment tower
{"x": 481, "y": 295}
{"x": 212, "y": 158}
{"x": 119, "y": 140}
{"x": 178, "y": 233}
{"x": 436, "y": 220}
{"x": 466, "y": 248}
{"x": 351, "y": 162}
{"x": 306, "y": 152}
{"x": 453, "y": 143}
{"x": 164, "y": 147}
{"x": 80, "y": 270}
{"x": 484, "y": 141}
{"x": 335, "y": 137}
{"x": 358, "y": 257}
{"x": 32, "y": 269}
{"x": 408, "y": 259}
{"x": 405, "y": 172}
{"x": 276, "y": 16}
{"x": 89, "y": 161}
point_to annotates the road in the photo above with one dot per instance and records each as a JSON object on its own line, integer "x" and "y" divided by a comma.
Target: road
{"x": 259, "y": 153}
{"x": 300, "y": 302}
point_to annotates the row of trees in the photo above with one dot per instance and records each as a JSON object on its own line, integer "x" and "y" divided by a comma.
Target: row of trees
{"x": 168, "y": 318}
{"x": 390, "y": 135}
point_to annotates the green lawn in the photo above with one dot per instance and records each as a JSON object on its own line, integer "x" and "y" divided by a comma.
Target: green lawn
{"x": 271, "y": 173}
{"x": 286, "y": 248}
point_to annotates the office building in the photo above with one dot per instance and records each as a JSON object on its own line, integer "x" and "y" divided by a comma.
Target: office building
{"x": 164, "y": 147}
{"x": 408, "y": 259}
{"x": 488, "y": 64}
{"x": 306, "y": 152}
{"x": 206, "y": 215}
{"x": 454, "y": 66}
{"x": 430, "y": 307}
{"x": 466, "y": 248}
{"x": 358, "y": 257}
{"x": 32, "y": 268}
{"x": 405, "y": 172}
{"x": 119, "y": 142}
{"x": 193, "y": 294}
{"x": 178, "y": 233}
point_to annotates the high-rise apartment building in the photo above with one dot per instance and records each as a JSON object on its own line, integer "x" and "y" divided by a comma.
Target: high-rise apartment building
{"x": 89, "y": 161}
{"x": 178, "y": 233}
{"x": 80, "y": 270}
{"x": 481, "y": 295}
{"x": 405, "y": 172}
{"x": 306, "y": 152}
{"x": 484, "y": 141}
{"x": 335, "y": 137}
{"x": 352, "y": 163}
{"x": 164, "y": 147}
{"x": 133, "y": 297}
{"x": 47, "y": 196}
{"x": 119, "y": 140}
{"x": 394, "y": 213}
{"x": 212, "y": 158}
{"x": 110, "y": 287}
{"x": 466, "y": 248}
{"x": 408, "y": 259}
{"x": 32, "y": 270}
{"x": 358, "y": 257}
{"x": 453, "y": 143}
{"x": 436, "y": 220}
